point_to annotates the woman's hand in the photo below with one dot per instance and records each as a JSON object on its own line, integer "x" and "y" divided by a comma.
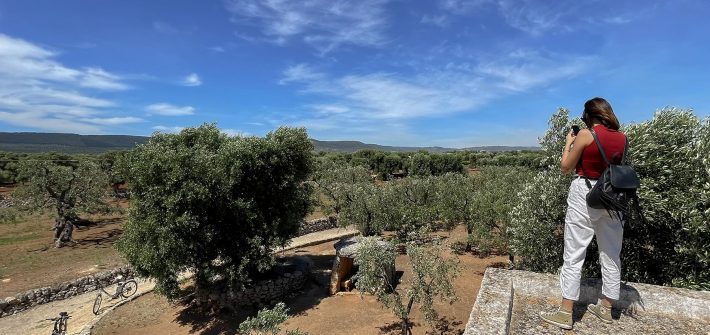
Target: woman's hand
{"x": 571, "y": 154}
{"x": 570, "y": 137}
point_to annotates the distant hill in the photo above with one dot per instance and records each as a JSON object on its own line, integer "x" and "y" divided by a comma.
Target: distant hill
{"x": 69, "y": 143}
{"x": 73, "y": 143}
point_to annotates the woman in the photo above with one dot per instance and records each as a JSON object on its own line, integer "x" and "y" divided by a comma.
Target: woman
{"x": 582, "y": 223}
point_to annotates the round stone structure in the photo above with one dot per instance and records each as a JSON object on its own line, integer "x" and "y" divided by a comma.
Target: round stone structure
{"x": 346, "y": 253}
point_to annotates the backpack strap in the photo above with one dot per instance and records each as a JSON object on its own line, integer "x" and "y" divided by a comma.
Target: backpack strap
{"x": 599, "y": 146}
{"x": 603, "y": 153}
{"x": 626, "y": 149}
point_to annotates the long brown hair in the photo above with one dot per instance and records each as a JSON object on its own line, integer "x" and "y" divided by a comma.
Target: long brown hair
{"x": 600, "y": 109}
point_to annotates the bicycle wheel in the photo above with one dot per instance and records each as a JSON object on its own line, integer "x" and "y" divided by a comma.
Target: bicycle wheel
{"x": 129, "y": 288}
{"x": 64, "y": 323}
{"x": 97, "y": 304}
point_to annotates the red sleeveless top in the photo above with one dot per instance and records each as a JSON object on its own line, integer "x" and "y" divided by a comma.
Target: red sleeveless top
{"x": 591, "y": 164}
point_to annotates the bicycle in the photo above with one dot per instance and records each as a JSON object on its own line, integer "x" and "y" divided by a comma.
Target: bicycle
{"x": 124, "y": 289}
{"x": 60, "y": 323}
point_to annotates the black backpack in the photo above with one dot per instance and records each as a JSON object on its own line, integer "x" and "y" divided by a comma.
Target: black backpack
{"x": 616, "y": 187}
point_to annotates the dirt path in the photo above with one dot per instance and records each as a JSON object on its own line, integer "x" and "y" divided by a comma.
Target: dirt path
{"x": 80, "y": 307}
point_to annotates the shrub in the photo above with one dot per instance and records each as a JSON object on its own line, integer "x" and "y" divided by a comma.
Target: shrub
{"x": 214, "y": 204}
{"x": 536, "y": 226}
{"x": 670, "y": 154}
{"x": 268, "y": 321}
{"x": 335, "y": 182}
{"x": 432, "y": 279}
{"x": 411, "y": 207}
{"x": 494, "y": 197}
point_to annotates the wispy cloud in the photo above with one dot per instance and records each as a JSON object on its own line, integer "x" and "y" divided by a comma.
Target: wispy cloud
{"x": 167, "y": 109}
{"x": 324, "y": 24}
{"x": 461, "y": 6}
{"x": 619, "y": 19}
{"x": 166, "y": 129}
{"x": 113, "y": 121}
{"x": 192, "y": 80}
{"x": 39, "y": 92}
{"x": 537, "y": 17}
{"x": 437, "y": 20}
{"x": 374, "y": 99}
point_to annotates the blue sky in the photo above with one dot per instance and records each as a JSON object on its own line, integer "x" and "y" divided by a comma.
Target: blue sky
{"x": 452, "y": 73}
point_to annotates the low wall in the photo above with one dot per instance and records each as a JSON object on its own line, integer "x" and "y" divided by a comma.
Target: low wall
{"x": 261, "y": 293}
{"x": 31, "y": 298}
{"x": 269, "y": 292}
{"x": 316, "y": 225}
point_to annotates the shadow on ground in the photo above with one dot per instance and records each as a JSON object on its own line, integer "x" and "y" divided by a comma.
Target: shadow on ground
{"x": 227, "y": 322}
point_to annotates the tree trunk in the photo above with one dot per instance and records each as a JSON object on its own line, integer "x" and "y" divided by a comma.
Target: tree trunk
{"x": 405, "y": 320}
{"x": 64, "y": 233}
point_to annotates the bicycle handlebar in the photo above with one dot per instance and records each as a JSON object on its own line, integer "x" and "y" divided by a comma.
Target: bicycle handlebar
{"x": 59, "y": 318}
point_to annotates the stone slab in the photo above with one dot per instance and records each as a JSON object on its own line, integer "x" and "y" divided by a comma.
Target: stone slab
{"x": 515, "y": 295}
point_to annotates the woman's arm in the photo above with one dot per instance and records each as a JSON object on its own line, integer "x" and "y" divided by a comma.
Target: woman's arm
{"x": 570, "y": 157}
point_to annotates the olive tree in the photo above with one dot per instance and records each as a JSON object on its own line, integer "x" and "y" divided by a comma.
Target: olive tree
{"x": 670, "y": 154}
{"x": 362, "y": 208}
{"x": 335, "y": 181}
{"x": 66, "y": 187}
{"x": 432, "y": 279}
{"x": 213, "y": 204}
{"x": 537, "y": 220}
{"x": 495, "y": 195}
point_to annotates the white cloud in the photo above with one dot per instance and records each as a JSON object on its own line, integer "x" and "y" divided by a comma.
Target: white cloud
{"x": 49, "y": 123}
{"x": 538, "y": 17}
{"x": 191, "y": 79}
{"x": 300, "y": 72}
{"x": 165, "y": 129}
{"x": 113, "y": 121}
{"x": 100, "y": 79}
{"x": 619, "y": 19}
{"x": 37, "y": 91}
{"x": 437, "y": 20}
{"x": 461, "y": 6}
{"x": 375, "y": 101}
{"x": 169, "y": 110}
{"x": 324, "y": 24}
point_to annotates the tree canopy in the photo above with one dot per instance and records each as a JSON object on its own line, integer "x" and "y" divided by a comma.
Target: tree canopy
{"x": 214, "y": 204}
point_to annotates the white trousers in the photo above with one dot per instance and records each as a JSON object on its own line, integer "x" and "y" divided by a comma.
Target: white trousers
{"x": 582, "y": 223}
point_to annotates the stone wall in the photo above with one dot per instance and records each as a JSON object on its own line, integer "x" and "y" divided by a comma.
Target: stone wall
{"x": 31, "y": 298}
{"x": 316, "y": 225}
{"x": 262, "y": 293}
{"x": 269, "y": 292}
{"x": 5, "y": 202}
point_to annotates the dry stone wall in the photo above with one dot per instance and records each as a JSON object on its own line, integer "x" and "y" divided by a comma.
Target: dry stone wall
{"x": 316, "y": 225}
{"x": 269, "y": 292}
{"x": 262, "y": 293}
{"x": 31, "y": 298}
